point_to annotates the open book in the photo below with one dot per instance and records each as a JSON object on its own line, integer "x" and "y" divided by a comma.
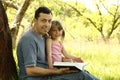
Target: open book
{"x": 71, "y": 65}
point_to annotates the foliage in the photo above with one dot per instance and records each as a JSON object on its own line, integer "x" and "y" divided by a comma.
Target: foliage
{"x": 77, "y": 13}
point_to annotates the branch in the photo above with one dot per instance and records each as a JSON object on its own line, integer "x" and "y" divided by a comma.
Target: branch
{"x": 20, "y": 13}
{"x": 108, "y": 10}
{"x": 71, "y": 7}
{"x": 117, "y": 25}
{"x": 10, "y": 4}
{"x": 98, "y": 9}
{"x": 18, "y": 18}
{"x": 74, "y": 9}
{"x": 92, "y": 23}
{"x": 116, "y": 11}
{"x": 101, "y": 20}
{"x": 115, "y": 21}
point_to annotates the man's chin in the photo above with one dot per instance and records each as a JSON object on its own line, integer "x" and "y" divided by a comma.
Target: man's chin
{"x": 45, "y": 33}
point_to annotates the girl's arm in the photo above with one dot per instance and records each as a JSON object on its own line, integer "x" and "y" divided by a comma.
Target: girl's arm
{"x": 68, "y": 56}
{"x": 49, "y": 54}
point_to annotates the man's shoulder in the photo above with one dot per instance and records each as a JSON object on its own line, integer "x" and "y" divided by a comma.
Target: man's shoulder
{"x": 28, "y": 35}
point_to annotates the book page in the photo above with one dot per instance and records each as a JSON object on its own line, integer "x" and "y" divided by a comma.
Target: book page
{"x": 80, "y": 66}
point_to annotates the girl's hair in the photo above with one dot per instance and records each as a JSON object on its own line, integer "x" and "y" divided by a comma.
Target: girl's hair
{"x": 8, "y": 70}
{"x": 60, "y": 27}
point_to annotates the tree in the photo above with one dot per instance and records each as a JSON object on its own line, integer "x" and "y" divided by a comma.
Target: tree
{"x": 18, "y": 18}
{"x": 101, "y": 23}
{"x": 8, "y": 70}
{"x": 101, "y": 20}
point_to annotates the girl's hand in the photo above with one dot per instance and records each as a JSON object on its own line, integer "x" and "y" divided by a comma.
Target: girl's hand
{"x": 67, "y": 60}
{"x": 78, "y": 60}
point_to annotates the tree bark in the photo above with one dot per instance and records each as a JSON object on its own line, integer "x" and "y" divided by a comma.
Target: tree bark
{"x": 8, "y": 69}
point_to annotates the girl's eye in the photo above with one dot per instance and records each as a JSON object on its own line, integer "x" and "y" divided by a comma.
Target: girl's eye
{"x": 53, "y": 30}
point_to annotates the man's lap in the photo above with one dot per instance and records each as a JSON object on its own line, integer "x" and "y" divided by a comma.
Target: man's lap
{"x": 82, "y": 75}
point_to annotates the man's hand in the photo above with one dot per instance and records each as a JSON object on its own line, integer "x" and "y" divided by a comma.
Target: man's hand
{"x": 64, "y": 71}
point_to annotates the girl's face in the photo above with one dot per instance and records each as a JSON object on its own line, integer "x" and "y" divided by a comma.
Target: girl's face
{"x": 55, "y": 33}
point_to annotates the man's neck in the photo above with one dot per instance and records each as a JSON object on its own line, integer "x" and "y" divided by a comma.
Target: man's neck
{"x": 35, "y": 30}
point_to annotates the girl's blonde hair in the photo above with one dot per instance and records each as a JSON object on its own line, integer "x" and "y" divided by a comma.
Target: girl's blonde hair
{"x": 59, "y": 25}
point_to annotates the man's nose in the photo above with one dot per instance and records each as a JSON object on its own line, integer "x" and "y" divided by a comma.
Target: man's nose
{"x": 47, "y": 23}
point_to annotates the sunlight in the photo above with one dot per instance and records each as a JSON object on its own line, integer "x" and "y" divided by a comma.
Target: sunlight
{"x": 90, "y": 4}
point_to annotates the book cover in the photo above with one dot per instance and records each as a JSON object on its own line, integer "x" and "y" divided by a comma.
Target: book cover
{"x": 71, "y": 65}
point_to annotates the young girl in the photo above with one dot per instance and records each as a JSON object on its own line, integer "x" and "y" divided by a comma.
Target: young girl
{"x": 55, "y": 48}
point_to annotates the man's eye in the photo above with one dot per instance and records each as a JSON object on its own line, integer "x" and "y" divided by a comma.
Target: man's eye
{"x": 49, "y": 21}
{"x": 43, "y": 20}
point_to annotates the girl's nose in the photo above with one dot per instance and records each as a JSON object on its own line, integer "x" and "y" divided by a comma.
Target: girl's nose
{"x": 57, "y": 31}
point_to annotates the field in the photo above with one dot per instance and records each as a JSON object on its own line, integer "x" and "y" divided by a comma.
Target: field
{"x": 103, "y": 58}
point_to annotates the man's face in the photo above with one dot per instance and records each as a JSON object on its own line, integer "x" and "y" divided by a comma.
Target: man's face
{"x": 43, "y": 23}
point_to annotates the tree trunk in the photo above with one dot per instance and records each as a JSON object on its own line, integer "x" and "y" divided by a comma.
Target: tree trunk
{"x": 8, "y": 69}
{"x": 18, "y": 18}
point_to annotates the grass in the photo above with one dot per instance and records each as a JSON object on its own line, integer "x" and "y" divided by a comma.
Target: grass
{"x": 103, "y": 58}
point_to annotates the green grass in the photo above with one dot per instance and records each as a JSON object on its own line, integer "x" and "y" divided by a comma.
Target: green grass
{"x": 103, "y": 58}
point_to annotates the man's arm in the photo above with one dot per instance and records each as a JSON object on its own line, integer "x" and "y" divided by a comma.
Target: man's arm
{"x": 37, "y": 71}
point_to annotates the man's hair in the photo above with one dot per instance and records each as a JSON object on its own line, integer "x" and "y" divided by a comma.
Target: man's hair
{"x": 42, "y": 10}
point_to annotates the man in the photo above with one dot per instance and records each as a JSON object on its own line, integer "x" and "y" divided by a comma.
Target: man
{"x": 31, "y": 53}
